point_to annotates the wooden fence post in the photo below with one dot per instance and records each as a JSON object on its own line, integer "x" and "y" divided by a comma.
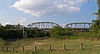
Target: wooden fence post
{"x": 23, "y": 49}
{"x": 81, "y": 45}
{"x": 7, "y": 49}
{"x": 13, "y": 49}
{"x": 50, "y": 48}
{"x": 35, "y": 48}
{"x": 64, "y": 47}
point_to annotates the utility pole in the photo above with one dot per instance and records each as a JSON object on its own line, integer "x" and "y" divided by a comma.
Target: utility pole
{"x": 23, "y": 33}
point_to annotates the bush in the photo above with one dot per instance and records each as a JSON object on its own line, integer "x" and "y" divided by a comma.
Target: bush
{"x": 61, "y": 33}
{"x": 1, "y": 42}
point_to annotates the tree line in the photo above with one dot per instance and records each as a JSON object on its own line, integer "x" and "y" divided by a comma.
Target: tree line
{"x": 55, "y": 32}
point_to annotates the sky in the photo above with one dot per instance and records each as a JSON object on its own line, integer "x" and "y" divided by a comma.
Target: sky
{"x": 58, "y": 11}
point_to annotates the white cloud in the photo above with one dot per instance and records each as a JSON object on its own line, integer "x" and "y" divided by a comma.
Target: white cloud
{"x": 21, "y": 20}
{"x": 48, "y": 7}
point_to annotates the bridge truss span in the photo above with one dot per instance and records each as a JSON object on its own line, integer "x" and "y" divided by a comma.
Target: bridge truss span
{"x": 79, "y": 25}
{"x": 42, "y": 25}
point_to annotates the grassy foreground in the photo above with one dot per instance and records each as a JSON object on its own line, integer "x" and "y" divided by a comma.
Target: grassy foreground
{"x": 57, "y": 47}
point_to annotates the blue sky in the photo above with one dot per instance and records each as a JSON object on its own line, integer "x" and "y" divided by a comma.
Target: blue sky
{"x": 58, "y": 11}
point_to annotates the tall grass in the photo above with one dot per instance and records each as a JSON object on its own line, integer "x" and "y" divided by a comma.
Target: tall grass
{"x": 89, "y": 35}
{"x": 72, "y": 45}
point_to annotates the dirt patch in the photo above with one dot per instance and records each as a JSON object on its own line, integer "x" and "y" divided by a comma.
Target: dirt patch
{"x": 31, "y": 46}
{"x": 93, "y": 39}
{"x": 39, "y": 43}
{"x": 97, "y": 45}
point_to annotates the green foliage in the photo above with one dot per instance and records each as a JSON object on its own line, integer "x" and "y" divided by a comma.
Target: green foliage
{"x": 1, "y": 42}
{"x": 9, "y": 34}
{"x": 98, "y": 3}
{"x": 89, "y": 35}
{"x": 59, "y": 32}
{"x": 9, "y": 26}
{"x": 99, "y": 8}
{"x": 35, "y": 32}
{"x": 56, "y": 31}
{"x": 85, "y": 35}
{"x": 96, "y": 25}
{"x": 6, "y": 34}
{"x": 1, "y": 27}
{"x": 68, "y": 31}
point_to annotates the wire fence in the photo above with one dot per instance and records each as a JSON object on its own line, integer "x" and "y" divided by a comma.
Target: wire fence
{"x": 71, "y": 46}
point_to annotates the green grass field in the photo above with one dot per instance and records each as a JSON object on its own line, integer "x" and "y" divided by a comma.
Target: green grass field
{"x": 57, "y": 46}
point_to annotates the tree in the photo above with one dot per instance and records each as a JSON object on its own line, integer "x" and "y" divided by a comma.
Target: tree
{"x": 68, "y": 31}
{"x": 56, "y": 31}
{"x": 1, "y": 27}
{"x": 98, "y": 3}
{"x": 8, "y": 26}
{"x": 96, "y": 23}
{"x": 62, "y": 33}
{"x": 1, "y": 30}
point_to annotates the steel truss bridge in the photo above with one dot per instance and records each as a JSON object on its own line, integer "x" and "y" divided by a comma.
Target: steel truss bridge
{"x": 48, "y": 25}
